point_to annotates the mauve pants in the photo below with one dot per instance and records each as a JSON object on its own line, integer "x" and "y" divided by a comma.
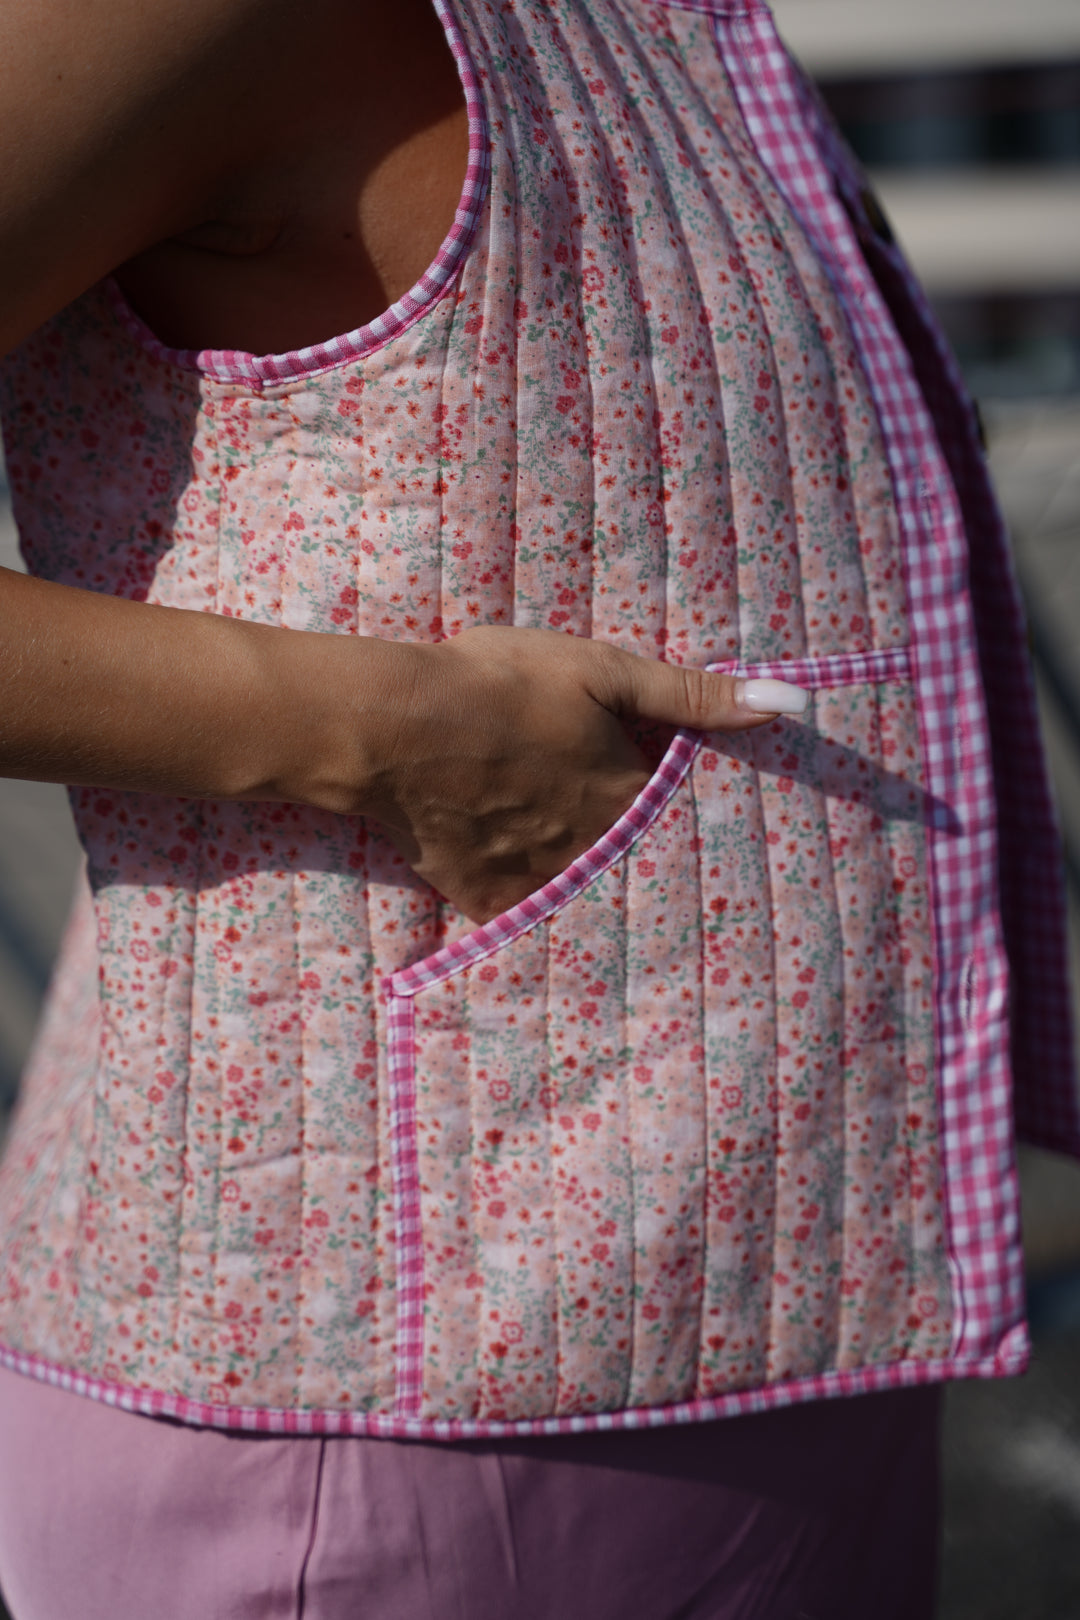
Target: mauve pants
{"x": 820, "y": 1512}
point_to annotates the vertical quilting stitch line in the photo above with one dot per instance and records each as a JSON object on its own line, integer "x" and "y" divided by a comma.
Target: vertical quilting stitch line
{"x": 192, "y": 912}
{"x": 906, "y": 1111}
{"x": 213, "y": 394}
{"x": 556, "y": 1228}
{"x": 659, "y": 94}
{"x": 555, "y": 136}
{"x": 703, "y": 179}
{"x": 847, "y": 1084}
{"x": 772, "y": 1336}
{"x": 472, "y": 1081}
{"x": 639, "y": 122}
{"x": 408, "y": 1232}
{"x": 624, "y": 1030}
{"x": 754, "y": 188}
{"x": 703, "y": 1270}
{"x": 303, "y": 1259}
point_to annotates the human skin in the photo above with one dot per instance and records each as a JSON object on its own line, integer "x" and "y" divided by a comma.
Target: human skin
{"x": 262, "y": 178}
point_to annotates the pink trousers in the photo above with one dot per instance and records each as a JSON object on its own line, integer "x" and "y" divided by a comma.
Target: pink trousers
{"x": 821, "y": 1512}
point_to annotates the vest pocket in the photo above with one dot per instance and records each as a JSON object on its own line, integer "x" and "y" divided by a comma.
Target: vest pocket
{"x": 667, "y": 1129}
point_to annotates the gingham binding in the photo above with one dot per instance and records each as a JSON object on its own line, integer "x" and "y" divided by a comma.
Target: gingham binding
{"x": 981, "y": 1192}
{"x": 237, "y": 366}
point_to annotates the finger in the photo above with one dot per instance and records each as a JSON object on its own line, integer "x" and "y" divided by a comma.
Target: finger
{"x": 646, "y": 689}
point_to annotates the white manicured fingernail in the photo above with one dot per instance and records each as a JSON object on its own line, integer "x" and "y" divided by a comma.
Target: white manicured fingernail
{"x": 771, "y": 697}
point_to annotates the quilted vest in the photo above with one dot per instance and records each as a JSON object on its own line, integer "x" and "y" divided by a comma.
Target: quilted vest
{"x": 717, "y": 1119}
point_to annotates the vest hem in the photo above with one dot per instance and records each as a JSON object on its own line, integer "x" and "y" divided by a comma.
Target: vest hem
{"x": 1008, "y": 1360}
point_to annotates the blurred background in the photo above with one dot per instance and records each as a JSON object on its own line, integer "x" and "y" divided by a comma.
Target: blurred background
{"x": 967, "y": 114}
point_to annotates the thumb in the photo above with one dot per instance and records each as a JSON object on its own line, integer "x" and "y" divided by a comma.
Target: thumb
{"x": 647, "y": 689}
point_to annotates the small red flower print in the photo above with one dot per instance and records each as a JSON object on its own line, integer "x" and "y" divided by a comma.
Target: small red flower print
{"x": 230, "y": 1192}
{"x": 592, "y": 1122}
{"x": 496, "y": 1209}
{"x": 643, "y": 1074}
{"x": 731, "y": 1096}
{"x": 547, "y": 1097}
{"x": 670, "y": 334}
{"x": 233, "y": 1311}
{"x": 800, "y": 999}
{"x": 651, "y": 1312}
{"x": 647, "y": 868}
{"x": 140, "y": 950}
{"x": 599, "y": 1251}
{"x": 513, "y": 1332}
{"x": 592, "y": 278}
{"x": 499, "y": 1090}
{"x": 488, "y": 972}
{"x": 801, "y": 1233}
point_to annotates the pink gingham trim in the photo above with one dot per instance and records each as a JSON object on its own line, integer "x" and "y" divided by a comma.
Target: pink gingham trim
{"x": 405, "y": 1172}
{"x": 981, "y": 1192}
{"x": 237, "y": 366}
{"x": 1011, "y": 1358}
{"x": 847, "y": 669}
{"x": 1046, "y": 1101}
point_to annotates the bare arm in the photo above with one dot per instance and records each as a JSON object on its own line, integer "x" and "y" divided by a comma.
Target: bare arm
{"x": 118, "y": 120}
{"x": 493, "y": 758}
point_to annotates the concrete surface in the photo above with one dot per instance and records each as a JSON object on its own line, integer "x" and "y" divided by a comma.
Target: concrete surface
{"x": 893, "y": 36}
{"x": 950, "y": 223}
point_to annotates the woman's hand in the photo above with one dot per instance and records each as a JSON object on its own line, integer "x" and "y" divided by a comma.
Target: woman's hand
{"x": 492, "y": 759}
{"x": 502, "y": 754}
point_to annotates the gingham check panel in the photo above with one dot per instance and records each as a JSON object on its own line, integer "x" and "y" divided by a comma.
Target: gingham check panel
{"x": 1046, "y": 1103}
{"x": 972, "y": 981}
{"x": 235, "y": 365}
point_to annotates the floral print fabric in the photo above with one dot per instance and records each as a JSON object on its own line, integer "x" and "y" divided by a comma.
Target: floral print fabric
{"x": 681, "y": 1138}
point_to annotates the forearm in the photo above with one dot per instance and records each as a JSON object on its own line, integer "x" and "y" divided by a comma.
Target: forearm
{"x": 107, "y": 692}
